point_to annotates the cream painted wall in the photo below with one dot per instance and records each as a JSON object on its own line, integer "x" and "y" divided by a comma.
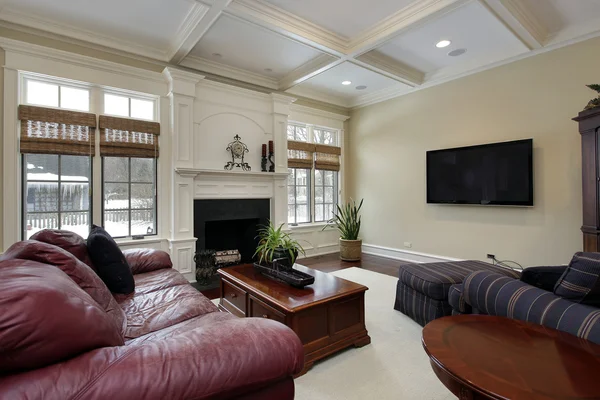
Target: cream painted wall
{"x": 533, "y": 98}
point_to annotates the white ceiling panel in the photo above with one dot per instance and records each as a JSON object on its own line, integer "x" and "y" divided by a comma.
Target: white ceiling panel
{"x": 143, "y": 22}
{"x": 345, "y": 17}
{"x": 243, "y": 45}
{"x": 556, "y": 15}
{"x": 330, "y": 81}
{"x": 471, "y": 27}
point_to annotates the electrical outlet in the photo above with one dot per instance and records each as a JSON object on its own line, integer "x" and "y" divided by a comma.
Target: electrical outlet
{"x": 491, "y": 256}
{"x": 408, "y": 245}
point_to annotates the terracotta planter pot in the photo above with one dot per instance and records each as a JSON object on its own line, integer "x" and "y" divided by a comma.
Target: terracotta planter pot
{"x": 350, "y": 250}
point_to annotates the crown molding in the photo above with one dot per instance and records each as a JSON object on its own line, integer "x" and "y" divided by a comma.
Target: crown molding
{"x": 282, "y": 98}
{"x": 16, "y": 46}
{"x": 184, "y": 42}
{"x": 404, "y": 73}
{"x": 319, "y": 113}
{"x": 182, "y": 82}
{"x": 289, "y": 25}
{"x": 212, "y": 67}
{"x": 416, "y": 13}
{"x": 319, "y": 96}
{"x": 15, "y": 17}
{"x": 240, "y": 91}
{"x": 306, "y": 71}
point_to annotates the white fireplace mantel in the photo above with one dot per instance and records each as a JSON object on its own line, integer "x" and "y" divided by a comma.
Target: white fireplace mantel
{"x": 194, "y": 172}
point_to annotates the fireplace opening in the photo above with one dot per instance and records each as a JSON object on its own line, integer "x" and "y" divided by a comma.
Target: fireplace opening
{"x": 230, "y": 224}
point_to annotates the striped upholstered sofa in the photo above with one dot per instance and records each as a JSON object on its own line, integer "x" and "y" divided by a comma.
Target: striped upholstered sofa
{"x": 485, "y": 292}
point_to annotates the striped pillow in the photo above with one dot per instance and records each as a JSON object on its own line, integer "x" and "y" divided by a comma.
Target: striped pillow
{"x": 581, "y": 280}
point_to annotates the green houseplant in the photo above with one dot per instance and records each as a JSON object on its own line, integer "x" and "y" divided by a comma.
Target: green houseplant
{"x": 346, "y": 219}
{"x": 273, "y": 244}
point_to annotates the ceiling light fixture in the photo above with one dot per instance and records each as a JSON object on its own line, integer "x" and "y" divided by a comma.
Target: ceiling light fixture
{"x": 361, "y": 87}
{"x": 442, "y": 43}
{"x": 217, "y": 55}
{"x": 346, "y": 83}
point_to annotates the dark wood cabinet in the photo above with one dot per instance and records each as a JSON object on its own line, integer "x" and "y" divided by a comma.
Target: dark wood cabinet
{"x": 589, "y": 124}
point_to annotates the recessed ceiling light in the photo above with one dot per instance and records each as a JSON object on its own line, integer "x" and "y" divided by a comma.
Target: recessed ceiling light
{"x": 217, "y": 55}
{"x": 346, "y": 83}
{"x": 268, "y": 70}
{"x": 457, "y": 52}
{"x": 361, "y": 87}
{"x": 442, "y": 43}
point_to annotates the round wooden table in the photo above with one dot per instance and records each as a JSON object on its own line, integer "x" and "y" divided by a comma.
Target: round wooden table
{"x": 485, "y": 357}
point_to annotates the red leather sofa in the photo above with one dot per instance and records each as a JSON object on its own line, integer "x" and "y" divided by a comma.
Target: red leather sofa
{"x": 63, "y": 335}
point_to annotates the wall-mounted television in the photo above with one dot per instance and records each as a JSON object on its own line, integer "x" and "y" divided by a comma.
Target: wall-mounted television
{"x": 489, "y": 174}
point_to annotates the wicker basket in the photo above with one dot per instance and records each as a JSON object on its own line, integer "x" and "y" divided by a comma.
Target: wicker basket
{"x": 350, "y": 250}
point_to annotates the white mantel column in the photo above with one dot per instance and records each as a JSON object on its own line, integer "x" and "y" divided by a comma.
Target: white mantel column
{"x": 182, "y": 243}
{"x": 281, "y": 112}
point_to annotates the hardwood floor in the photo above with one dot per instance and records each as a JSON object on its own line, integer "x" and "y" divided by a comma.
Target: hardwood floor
{"x": 332, "y": 262}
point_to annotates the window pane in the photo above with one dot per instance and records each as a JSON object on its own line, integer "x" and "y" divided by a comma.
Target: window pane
{"x": 75, "y": 168}
{"x": 75, "y": 99}
{"x": 142, "y": 170}
{"x": 74, "y": 196}
{"x": 142, "y": 195}
{"x": 301, "y": 134}
{"x": 142, "y": 222}
{"x": 319, "y": 178}
{"x": 116, "y": 105}
{"x": 42, "y": 196}
{"x": 328, "y": 211}
{"x": 116, "y": 169}
{"x": 291, "y": 176}
{"x": 329, "y": 178}
{"x": 42, "y": 167}
{"x": 301, "y": 175}
{"x": 318, "y": 195}
{"x": 42, "y": 94}
{"x": 36, "y": 222}
{"x": 303, "y": 215}
{"x": 290, "y": 132}
{"x": 77, "y": 222}
{"x": 143, "y": 109}
{"x": 291, "y": 214}
{"x": 301, "y": 195}
{"x": 319, "y": 213}
{"x": 328, "y": 195}
{"x": 116, "y": 222}
{"x": 116, "y": 196}
{"x": 291, "y": 195}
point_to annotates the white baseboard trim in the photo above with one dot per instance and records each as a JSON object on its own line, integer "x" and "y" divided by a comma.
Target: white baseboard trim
{"x": 404, "y": 255}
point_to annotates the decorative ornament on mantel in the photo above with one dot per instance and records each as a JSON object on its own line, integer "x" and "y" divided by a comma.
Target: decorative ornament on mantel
{"x": 594, "y": 102}
{"x": 238, "y": 150}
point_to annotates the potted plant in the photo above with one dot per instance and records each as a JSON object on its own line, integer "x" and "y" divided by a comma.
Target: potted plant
{"x": 275, "y": 244}
{"x": 347, "y": 221}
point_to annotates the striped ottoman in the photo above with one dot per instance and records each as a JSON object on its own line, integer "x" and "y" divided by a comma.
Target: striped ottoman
{"x": 422, "y": 290}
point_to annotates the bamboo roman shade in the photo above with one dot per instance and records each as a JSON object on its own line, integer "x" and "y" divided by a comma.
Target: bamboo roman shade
{"x": 123, "y": 137}
{"x": 327, "y": 157}
{"x": 52, "y": 131}
{"x": 300, "y": 154}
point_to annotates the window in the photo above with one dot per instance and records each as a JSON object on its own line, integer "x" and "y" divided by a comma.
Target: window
{"x": 58, "y": 143}
{"x": 313, "y": 161}
{"x": 129, "y": 190}
{"x": 57, "y": 193}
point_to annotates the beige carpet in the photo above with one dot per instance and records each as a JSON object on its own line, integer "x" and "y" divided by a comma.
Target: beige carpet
{"x": 393, "y": 366}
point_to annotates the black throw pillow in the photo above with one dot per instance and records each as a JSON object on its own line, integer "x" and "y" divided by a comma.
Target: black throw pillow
{"x": 109, "y": 261}
{"x": 543, "y": 277}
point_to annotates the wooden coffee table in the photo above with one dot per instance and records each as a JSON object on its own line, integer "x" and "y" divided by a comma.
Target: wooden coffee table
{"x": 485, "y": 357}
{"x": 328, "y": 315}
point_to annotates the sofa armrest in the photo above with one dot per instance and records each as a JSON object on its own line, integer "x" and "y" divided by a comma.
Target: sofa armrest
{"x": 499, "y": 295}
{"x": 147, "y": 260}
{"x": 543, "y": 277}
{"x": 222, "y": 360}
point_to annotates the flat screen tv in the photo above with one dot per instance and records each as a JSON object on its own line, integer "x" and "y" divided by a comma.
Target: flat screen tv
{"x": 490, "y": 174}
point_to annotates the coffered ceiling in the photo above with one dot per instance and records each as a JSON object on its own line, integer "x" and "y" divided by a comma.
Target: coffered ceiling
{"x": 379, "y": 48}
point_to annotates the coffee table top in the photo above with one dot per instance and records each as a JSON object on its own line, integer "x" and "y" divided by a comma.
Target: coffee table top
{"x": 326, "y": 287}
{"x": 506, "y": 358}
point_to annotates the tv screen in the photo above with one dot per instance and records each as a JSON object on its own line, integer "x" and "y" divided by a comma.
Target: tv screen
{"x": 491, "y": 174}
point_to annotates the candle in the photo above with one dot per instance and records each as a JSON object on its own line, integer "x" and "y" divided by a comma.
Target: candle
{"x": 264, "y": 150}
{"x": 270, "y": 146}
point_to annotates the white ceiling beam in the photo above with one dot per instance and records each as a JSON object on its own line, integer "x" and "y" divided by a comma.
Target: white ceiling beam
{"x": 520, "y": 20}
{"x": 312, "y": 68}
{"x": 385, "y": 65}
{"x": 195, "y": 26}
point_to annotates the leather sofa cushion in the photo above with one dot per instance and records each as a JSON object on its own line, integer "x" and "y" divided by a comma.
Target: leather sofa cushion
{"x": 109, "y": 261}
{"x": 79, "y": 272}
{"x": 147, "y": 260}
{"x": 66, "y": 240}
{"x": 47, "y": 318}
